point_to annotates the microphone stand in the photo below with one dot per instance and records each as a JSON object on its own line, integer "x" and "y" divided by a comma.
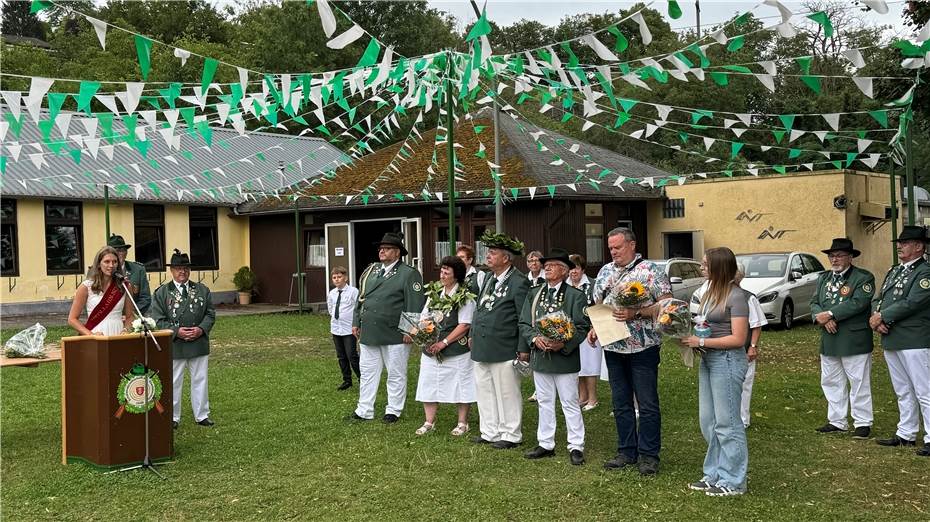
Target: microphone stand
{"x": 146, "y": 335}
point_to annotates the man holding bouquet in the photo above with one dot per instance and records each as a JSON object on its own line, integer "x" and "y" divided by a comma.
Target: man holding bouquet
{"x": 633, "y": 363}
{"x": 553, "y": 325}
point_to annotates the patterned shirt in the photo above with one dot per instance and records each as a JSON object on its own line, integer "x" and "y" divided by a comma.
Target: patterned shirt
{"x": 643, "y": 333}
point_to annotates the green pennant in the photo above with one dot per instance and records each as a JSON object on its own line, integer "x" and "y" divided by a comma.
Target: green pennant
{"x": 850, "y": 158}
{"x": 787, "y": 120}
{"x": 144, "y": 51}
{"x": 837, "y": 164}
{"x": 105, "y": 120}
{"x": 130, "y": 121}
{"x": 479, "y": 129}
{"x": 804, "y": 63}
{"x": 154, "y": 164}
{"x": 46, "y": 127}
{"x": 186, "y": 154}
{"x": 881, "y": 117}
{"x": 209, "y": 69}
{"x": 173, "y": 91}
{"x": 86, "y": 93}
{"x": 261, "y": 156}
{"x": 779, "y": 135}
{"x": 16, "y": 126}
{"x": 736, "y": 43}
{"x": 622, "y": 43}
{"x": 720, "y": 78}
{"x": 627, "y": 104}
{"x": 75, "y": 155}
{"x": 595, "y": 185}
{"x": 742, "y": 19}
{"x": 567, "y": 116}
{"x": 39, "y": 5}
{"x": 514, "y": 192}
{"x": 674, "y": 10}
{"x": 603, "y": 173}
{"x": 481, "y": 27}
{"x": 2, "y": 164}
{"x": 735, "y": 147}
{"x": 813, "y": 82}
{"x": 55, "y": 101}
{"x": 622, "y": 118}
{"x": 142, "y": 147}
{"x": 203, "y": 128}
{"x": 188, "y": 114}
{"x": 738, "y": 68}
{"x": 696, "y": 49}
{"x": 323, "y": 130}
{"x": 551, "y": 190}
{"x": 821, "y": 18}
{"x": 683, "y": 136}
{"x": 370, "y": 56}
{"x": 794, "y": 153}
{"x": 365, "y": 199}
{"x": 779, "y": 169}
{"x": 697, "y": 114}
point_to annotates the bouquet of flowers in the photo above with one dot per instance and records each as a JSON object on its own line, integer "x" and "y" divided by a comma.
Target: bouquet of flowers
{"x": 626, "y": 294}
{"x": 137, "y": 324}
{"x": 423, "y": 330}
{"x": 674, "y": 318}
{"x": 556, "y": 326}
{"x": 29, "y": 343}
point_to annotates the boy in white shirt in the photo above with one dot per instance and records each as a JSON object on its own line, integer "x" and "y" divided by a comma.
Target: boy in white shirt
{"x": 756, "y": 321}
{"x": 341, "y": 302}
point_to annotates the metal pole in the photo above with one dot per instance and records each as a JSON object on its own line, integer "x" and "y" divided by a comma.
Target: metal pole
{"x": 450, "y": 156}
{"x": 697, "y": 13}
{"x": 909, "y": 172}
{"x": 894, "y": 216}
{"x": 106, "y": 211}
{"x": 300, "y": 286}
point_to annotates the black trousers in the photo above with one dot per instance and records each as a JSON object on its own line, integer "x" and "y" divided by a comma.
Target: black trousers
{"x": 347, "y": 353}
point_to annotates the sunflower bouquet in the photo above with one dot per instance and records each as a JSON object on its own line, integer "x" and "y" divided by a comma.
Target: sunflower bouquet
{"x": 556, "y": 326}
{"x": 422, "y": 330}
{"x": 674, "y": 318}
{"x": 627, "y": 294}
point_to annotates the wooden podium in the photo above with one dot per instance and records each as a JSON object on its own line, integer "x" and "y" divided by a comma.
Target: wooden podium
{"x": 103, "y": 381}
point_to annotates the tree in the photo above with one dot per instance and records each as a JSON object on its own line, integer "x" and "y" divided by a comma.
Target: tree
{"x": 18, "y": 21}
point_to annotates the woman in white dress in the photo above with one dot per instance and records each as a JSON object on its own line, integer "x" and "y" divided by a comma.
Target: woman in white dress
{"x": 446, "y": 373}
{"x": 94, "y": 291}
{"x": 590, "y": 354}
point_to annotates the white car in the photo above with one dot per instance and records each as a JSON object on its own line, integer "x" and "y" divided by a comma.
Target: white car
{"x": 683, "y": 273}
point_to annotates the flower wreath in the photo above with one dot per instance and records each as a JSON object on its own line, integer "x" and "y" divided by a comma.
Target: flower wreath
{"x": 495, "y": 240}
{"x": 439, "y": 301}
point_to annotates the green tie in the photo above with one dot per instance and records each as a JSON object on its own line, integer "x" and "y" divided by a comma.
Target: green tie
{"x": 491, "y": 285}
{"x": 550, "y": 295}
{"x": 184, "y": 291}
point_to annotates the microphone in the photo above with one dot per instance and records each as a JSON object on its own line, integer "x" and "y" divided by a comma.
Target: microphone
{"x": 119, "y": 276}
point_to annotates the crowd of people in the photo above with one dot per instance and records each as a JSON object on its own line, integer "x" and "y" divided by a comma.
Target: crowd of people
{"x": 489, "y": 334}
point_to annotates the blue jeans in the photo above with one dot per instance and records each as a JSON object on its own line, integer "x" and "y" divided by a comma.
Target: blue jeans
{"x": 720, "y": 384}
{"x": 636, "y": 374}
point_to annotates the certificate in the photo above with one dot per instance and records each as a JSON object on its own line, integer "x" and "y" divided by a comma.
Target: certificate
{"x": 608, "y": 329}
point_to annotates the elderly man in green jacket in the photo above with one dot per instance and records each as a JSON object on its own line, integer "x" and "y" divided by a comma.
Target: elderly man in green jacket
{"x": 901, "y": 314}
{"x": 386, "y": 289}
{"x": 841, "y": 306}
{"x": 495, "y": 339}
{"x": 555, "y": 362}
{"x": 135, "y": 273}
{"x": 186, "y": 308}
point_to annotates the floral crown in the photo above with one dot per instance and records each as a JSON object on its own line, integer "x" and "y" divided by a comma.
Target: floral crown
{"x": 494, "y": 240}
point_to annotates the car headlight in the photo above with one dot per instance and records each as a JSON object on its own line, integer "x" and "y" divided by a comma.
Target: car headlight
{"x": 768, "y": 298}
{"x": 695, "y": 299}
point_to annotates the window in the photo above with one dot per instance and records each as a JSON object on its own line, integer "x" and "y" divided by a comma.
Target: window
{"x": 594, "y": 242}
{"x": 63, "y": 238}
{"x": 150, "y": 236}
{"x": 441, "y": 245}
{"x": 796, "y": 265}
{"x": 481, "y": 251}
{"x": 673, "y": 208}
{"x": 204, "y": 242}
{"x": 691, "y": 271}
{"x": 9, "y": 261}
{"x": 811, "y": 264}
{"x": 593, "y": 210}
{"x": 316, "y": 249}
{"x": 674, "y": 270}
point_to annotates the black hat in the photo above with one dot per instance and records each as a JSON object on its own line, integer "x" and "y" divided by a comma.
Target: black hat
{"x": 179, "y": 259}
{"x": 557, "y": 254}
{"x": 394, "y": 239}
{"x": 117, "y": 242}
{"x": 912, "y": 233}
{"x": 842, "y": 243}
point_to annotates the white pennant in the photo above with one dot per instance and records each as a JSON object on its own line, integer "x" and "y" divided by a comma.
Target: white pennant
{"x": 872, "y": 161}
{"x": 767, "y": 80}
{"x": 93, "y": 145}
{"x": 650, "y": 129}
{"x": 37, "y": 90}
{"x": 821, "y": 135}
{"x": 4, "y": 126}
{"x": 37, "y": 160}
{"x": 532, "y": 191}
{"x": 879, "y": 6}
{"x": 708, "y": 142}
{"x": 14, "y": 151}
{"x": 769, "y": 67}
{"x": 745, "y": 118}
{"x": 63, "y": 121}
{"x": 100, "y": 27}
{"x": 599, "y": 48}
{"x": 137, "y": 188}
{"x": 634, "y": 80}
{"x": 795, "y": 134}
{"x": 864, "y": 85}
{"x": 862, "y": 144}
{"x": 643, "y": 28}
{"x": 786, "y": 30}
{"x": 833, "y": 120}
{"x": 785, "y": 13}
{"x": 108, "y": 101}
{"x": 326, "y": 17}
{"x": 13, "y": 99}
{"x": 854, "y": 57}
{"x": 720, "y": 37}
{"x": 107, "y": 151}
{"x": 663, "y": 111}
{"x": 738, "y": 131}
{"x": 587, "y": 125}
{"x": 130, "y": 98}
{"x": 243, "y": 80}
{"x": 182, "y": 54}
{"x": 150, "y": 117}
{"x": 808, "y": 166}
{"x": 352, "y": 34}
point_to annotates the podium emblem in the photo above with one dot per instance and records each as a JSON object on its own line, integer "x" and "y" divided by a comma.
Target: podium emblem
{"x": 139, "y": 391}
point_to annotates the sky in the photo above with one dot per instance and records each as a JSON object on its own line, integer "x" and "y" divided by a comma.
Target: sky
{"x": 549, "y": 12}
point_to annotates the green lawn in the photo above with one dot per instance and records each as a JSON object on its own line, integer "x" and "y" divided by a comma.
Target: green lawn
{"x": 281, "y": 450}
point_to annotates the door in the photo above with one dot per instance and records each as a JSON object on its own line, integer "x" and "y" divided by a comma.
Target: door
{"x": 339, "y": 250}
{"x": 697, "y": 243}
{"x": 412, "y": 233}
{"x": 678, "y": 244}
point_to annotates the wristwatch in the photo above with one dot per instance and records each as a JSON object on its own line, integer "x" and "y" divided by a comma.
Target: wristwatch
{"x": 445, "y": 342}
{"x": 701, "y": 342}
{"x": 639, "y": 315}
{"x": 753, "y": 346}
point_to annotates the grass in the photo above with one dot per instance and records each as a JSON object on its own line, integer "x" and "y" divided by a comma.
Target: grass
{"x": 281, "y": 449}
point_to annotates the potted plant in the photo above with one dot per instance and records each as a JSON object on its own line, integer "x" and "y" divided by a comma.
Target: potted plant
{"x": 244, "y": 280}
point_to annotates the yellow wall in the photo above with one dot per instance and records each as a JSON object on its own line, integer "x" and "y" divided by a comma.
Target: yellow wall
{"x": 33, "y": 285}
{"x": 801, "y": 205}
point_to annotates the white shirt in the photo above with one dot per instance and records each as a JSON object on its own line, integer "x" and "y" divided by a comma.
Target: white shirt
{"x": 387, "y": 268}
{"x": 479, "y": 279}
{"x": 180, "y": 286}
{"x": 911, "y": 262}
{"x": 756, "y": 314}
{"x": 343, "y": 325}
{"x": 556, "y": 287}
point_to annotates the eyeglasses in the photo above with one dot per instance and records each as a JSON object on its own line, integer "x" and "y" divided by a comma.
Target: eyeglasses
{"x": 837, "y": 256}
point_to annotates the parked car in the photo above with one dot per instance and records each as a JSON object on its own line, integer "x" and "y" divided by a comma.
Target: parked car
{"x": 784, "y": 283}
{"x": 683, "y": 273}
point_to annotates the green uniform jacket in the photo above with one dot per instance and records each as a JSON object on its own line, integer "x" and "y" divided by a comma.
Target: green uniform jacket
{"x": 381, "y": 301}
{"x": 171, "y": 311}
{"x": 138, "y": 278}
{"x": 449, "y": 323}
{"x": 850, "y": 306}
{"x": 907, "y": 312}
{"x": 495, "y": 332}
{"x": 566, "y": 360}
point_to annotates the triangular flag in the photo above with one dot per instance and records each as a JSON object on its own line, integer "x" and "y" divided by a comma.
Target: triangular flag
{"x": 864, "y": 84}
{"x": 643, "y": 28}
{"x": 100, "y": 27}
{"x": 854, "y": 57}
{"x": 833, "y": 120}
{"x": 350, "y": 35}
{"x": 182, "y": 54}
{"x": 821, "y": 18}
{"x": 144, "y": 51}
{"x": 326, "y": 17}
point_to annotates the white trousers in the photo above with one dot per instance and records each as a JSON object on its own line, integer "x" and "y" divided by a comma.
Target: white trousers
{"x": 200, "y": 403}
{"x": 566, "y": 386}
{"x": 500, "y": 404}
{"x": 371, "y": 361}
{"x": 910, "y": 377}
{"x": 835, "y": 372}
{"x": 746, "y": 397}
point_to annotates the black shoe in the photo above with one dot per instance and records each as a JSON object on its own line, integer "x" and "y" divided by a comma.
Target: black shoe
{"x": 174, "y": 425}
{"x": 539, "y": 452}
{"x": 344, "y": 386}
{"x": 828, "y": 428}
{"x": 504, "y": 444}
{"x": 355, "y": 417}
{"x": 895, "y": 441}
{"x": 389, "y": 418}
{"x": 648, "y": 465}
{"x": 206, "y": 422}
{"x": 924, "y": 451}
{"x": 577, "y": 457}
{"x": 620, "y": 461}
{"x": 862, "y": 432}
{"x": 480, "y": 440}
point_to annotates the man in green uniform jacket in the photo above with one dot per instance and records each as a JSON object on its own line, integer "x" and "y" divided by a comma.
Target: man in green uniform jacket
{"x": 495, "y": 339}
{"x": 385, "y": 290}
{"x": 135, "y": 273}
{"x": 186, "y": 308}
{"x": 841, "y": 307}
{"x": 901, "y": 314}
{"x": 555, "y": 362}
